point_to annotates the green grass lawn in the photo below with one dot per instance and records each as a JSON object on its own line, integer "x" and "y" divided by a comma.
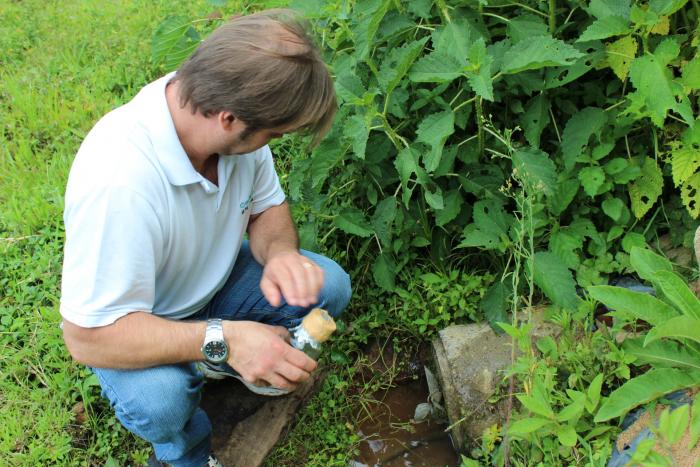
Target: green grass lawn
{"x": 63, "y": 64}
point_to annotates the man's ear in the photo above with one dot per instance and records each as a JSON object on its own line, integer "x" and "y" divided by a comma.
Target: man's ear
{"x": 226, "y": 120}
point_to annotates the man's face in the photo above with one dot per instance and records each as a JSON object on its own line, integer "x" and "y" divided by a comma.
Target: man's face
{"x": 239, "y": 140}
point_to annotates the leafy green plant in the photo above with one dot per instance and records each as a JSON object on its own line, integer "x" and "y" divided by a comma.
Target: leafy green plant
{"x": 670, "y": 346}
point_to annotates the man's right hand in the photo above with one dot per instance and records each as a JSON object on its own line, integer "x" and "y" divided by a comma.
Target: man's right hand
{"x": 261, "y": 353}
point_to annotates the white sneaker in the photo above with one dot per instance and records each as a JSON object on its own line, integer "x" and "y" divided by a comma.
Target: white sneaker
{"x": 224, "y": 370}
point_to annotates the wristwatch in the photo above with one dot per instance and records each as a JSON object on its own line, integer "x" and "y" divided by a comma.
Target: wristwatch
{"x": 214, "y": 348}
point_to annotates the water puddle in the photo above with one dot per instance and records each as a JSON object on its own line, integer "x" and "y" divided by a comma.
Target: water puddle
{"x": 391, "y": 439}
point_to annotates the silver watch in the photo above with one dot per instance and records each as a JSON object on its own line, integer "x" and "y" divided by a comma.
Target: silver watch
{"x": 214, "y": 348}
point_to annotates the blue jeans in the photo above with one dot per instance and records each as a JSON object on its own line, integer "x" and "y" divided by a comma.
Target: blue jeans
{"x": 161, "y": 404}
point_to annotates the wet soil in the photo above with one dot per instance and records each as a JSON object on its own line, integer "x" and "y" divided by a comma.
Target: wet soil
{"x": 391, "y": 438}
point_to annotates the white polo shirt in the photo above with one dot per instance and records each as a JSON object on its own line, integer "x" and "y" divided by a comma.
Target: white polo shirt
{"x": 144, "y": 230}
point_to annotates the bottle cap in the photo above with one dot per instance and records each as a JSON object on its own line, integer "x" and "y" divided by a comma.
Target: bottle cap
{"x": 319, "y": 325}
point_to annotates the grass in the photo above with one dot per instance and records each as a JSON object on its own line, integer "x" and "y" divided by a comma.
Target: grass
{"x": 62, "y": 66}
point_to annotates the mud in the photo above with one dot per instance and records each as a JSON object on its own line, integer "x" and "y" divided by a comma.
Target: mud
{"x": 392, "y": 439}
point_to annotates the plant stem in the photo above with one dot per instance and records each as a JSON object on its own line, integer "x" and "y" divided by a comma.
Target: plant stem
{"x": 552, "y": 16}
{"x": 480, "y": 125}
{"x": 468, "y": 101}
{"x": 521, "y": 5}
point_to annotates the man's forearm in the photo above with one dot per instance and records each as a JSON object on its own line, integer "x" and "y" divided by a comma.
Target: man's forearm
{"x": 137, "y": 340}
{"x": 272, "y": 232}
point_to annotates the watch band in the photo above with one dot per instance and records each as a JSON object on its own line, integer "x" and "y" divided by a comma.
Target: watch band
{"x": 215, "y": 330}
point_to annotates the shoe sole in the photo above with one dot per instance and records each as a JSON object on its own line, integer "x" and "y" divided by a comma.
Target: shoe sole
{"x": 269, "y": 391}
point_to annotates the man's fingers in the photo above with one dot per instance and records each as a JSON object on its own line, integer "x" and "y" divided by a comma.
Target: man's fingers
{"x": 292, "y": 373}
{"x": 280, "y": 382}
{"x": 300, "y": 360}
{"x": 314, "y": 281}
{"x": 270, "y": 291}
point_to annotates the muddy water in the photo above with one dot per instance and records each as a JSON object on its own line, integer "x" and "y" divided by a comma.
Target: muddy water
{"x": 391, "y": 439}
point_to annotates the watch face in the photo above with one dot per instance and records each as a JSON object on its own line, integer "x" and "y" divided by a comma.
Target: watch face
{"x": 216, "y": 351}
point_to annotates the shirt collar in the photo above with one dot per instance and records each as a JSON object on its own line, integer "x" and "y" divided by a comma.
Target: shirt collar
{"x": 161, "y": 129}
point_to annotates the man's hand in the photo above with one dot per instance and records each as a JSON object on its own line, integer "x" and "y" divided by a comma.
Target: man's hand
{"x": 261, "y": 354}
{"x": 292, "y": 276}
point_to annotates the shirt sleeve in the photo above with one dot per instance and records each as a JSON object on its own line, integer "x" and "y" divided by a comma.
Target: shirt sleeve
{"x": 267, "y": 191}
{"x": 114, "y": 243}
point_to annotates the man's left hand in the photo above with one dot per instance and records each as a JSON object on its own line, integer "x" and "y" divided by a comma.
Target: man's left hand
{"x": 292, "y": 276}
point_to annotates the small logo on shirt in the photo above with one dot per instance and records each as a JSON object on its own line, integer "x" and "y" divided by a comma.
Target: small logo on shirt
{"x": 245, "y": 205}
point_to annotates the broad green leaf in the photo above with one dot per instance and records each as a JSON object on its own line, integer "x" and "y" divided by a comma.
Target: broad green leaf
{"x": 453, "y": 206}
{"x": 690, "y": 195}
{"x": 694, "y": 423}
{"x": 560, "y": 76}
{"x": 680, "y": 327}
{"x": 434, "y": 131}
{"x": 646, "y": 263}
{"x": 173, "y": 41}
{"x": 691, "y": 74}
{"x": 434, "y": 198}
{"x": 645, "y": 388}
{"x": 555, "y": 280}
{"x": 685, "y": 161}
{"x": 453, "y": 40}
{"x": 656, "y": 89}
{"x": 604, "y": 8}
{"x": 535, "y": 119}
{"x": 372, "y": 12}
{"x": 495, "y": 302}
{"x": 677, "y": 292}
{"x": 613, "y": 208}
{"x": 537, "y": 401}
{"x": 575, "y": 409}
{"x": 420, "y": 8}
{"x": 592, "y": 179}
{"x": 593, "y": 393}
{"x": 647, "y": 188}
{"x": 384, "y": 272}
{"x": 383, "y": 219}
{"x": 538, "y": 52}
{"x": 349, "y": 87}
{"x": 536, "y": 169}
{"x": 397, "y": 62}
{"x": 480, "y": 78}
{"x": 666, "y": 7}
{"x": 633, "y": 240}
{"x": 490, "y": 226}
{"x": 565, "y": 245}
{"x": 407, "y": 165}
{"x": 352, "y": 221}
{"x": 579, "y": 129}
{"x": 620, "y": 55}
{"x": 672, "y": 423}
{"x": 643, "y": 18}
{"x": 526, "y": 26}
{"x": 527, "y": 425}
{"x": 435, "y": 68}
{"x": 567, "y": 435}
{"x": 605, "y": 27}
{"x": 661, "y": 353}
{"x": 183, "y": 50}
{"x": 563, "y": 195}
{"x": 663, "y": 26}
{"x": 356, "y": 131}
{"x": 634, "y": 305}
